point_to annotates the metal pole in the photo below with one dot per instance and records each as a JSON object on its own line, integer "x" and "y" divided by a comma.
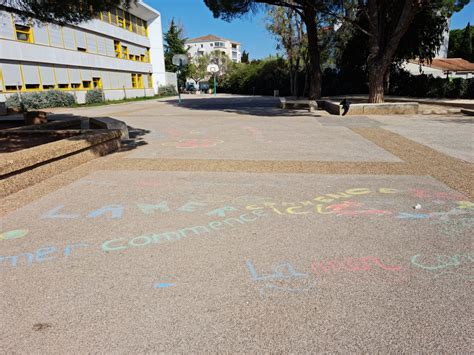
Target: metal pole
{"x": 215, "y": 86}
{"x": 177, "y": 80}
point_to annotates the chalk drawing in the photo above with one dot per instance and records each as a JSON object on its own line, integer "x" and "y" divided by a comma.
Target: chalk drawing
{"x": 465, "y": 205}
{"x": 280, "y": 272}
{"x": 113, "y": 211}
{"x": 163, "y": 285}
{"x": 150, "y": 209}
{"x": 13, "y": 234}
{"x": 351, "y": 265}
{"x": 40, "y": 255}
{"x": 256, "y": 134}
{"x": 442, "y": 261}
{"x": 194, "y": 143}
{"x": 54, "y": 214}
{"x": 321, "y": 201}
{"x": 191, "y": 206}
{"x": 221, "y": 212}
{"x": 176, "y": 235}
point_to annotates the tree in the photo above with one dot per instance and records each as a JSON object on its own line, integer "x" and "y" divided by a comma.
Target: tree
{"x": 461, "y": 43}
{"x": 61, "y": 11}
{"x": 198, "y": 68}
{"x": 386, "y": 23}
{"x": 288, "y": 28}
{"x": 245, "y": 57}
{"x": 175, "y": 44}
{"x": 307, "y": 9}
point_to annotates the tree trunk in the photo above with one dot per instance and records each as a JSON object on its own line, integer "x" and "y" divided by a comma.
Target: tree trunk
{"x": 314, "y": 53}
{"x": 376, "y": 81}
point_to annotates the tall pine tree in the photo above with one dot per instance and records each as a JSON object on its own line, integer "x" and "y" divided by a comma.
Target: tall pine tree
{"x": 175, "y": 44}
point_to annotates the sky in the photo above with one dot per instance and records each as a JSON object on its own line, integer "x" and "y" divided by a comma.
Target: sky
{"x": 249, "y": 30}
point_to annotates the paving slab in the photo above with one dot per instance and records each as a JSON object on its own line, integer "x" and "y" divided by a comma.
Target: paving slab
{"x": 262, "y": 138}
{"x": 142, "y": 261}
{"x": 452, "y": 135}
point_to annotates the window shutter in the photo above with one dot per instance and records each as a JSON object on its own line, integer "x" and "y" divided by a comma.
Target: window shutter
{"x": 61, "y": 75}
{"x": 30, "y": 74}
{"x": 47, "y": 75}
{"x": 68, "y": 34}
{"x": 6, "y": 25}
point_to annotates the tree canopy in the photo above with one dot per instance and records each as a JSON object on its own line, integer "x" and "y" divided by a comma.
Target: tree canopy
{"x": 61, "y": 11}
{"x": 174, "y": 43}
{"x": 461, "y": 43}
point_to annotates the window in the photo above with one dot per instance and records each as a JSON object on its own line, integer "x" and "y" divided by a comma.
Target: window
{"x": 97, "y": 83}
{"x": 118, "y": 49}
{"x": 125, "y": 52}
{"x": 147, "y": 55}
{"x": 150, "y": 81}
{"x": 24, "y": 33}
{"x": 234, "y": 46}
{"x": 120, "y": 18}
{"x": 13, "y": 87}
{"x": 63, "y": 86}
{"x": 128, "y": 22}
{"x": 86, "y": 84}
{"x": 48, "y": 87}
{"x": 81, "y": 49}
{"x": 219, "y": 44}
{"x": 76, "y": 86}
{"x": 202, "y": 45}
{"x": 142, "y": 58}
{"x": 137, "y": 81}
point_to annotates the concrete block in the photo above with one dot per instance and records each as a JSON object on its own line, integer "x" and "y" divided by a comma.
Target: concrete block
{"x": 110, "y": 123}
{"x": 3, "y": 109}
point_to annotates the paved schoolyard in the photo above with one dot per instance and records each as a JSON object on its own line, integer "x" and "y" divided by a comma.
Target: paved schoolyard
{"x": 231, "y": 225}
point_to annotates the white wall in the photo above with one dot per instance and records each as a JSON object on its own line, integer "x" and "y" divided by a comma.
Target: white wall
{"x": 157, "y": 58}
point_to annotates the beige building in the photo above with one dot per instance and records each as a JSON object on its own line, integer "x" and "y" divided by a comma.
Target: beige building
{"x": 210, "y": 43}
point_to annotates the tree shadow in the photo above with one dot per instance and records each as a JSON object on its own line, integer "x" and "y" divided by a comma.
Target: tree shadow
{"x": 262, "y": 106}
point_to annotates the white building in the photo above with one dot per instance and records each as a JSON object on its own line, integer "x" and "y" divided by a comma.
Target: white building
{"x": 210, "y": 43}
{"x": 119, "y": 51}
{"x": 442, "y": 68}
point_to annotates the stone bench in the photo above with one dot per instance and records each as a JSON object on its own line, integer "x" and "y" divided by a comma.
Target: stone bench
{"x": 286, "y": 103}
{"x": 387, "y": 108}
{"x": 110, "y": 123}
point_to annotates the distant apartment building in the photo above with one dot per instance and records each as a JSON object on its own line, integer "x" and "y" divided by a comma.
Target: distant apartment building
{"x": 119, "y": 51}
{"x": 210, "y": 43}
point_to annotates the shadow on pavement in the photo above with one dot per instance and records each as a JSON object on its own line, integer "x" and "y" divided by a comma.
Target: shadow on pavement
{"x": 250, "y": 105}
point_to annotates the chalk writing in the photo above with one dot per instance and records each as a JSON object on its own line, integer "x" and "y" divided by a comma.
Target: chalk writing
{"x": 176, "y": 235}
{"x": 284, "y": 278}
{"x": 351, "y": 265}
{"x": 465, "y": 205}
{"x": 319, "y": 202}
{"x": 221, "y": 212}
{"x": 194, "y": 143}
{"x": 163, "y": 285}
{"x": 40, "y": 255}
{"x": 14, "y": 234}
{"x": 442, "y": 261}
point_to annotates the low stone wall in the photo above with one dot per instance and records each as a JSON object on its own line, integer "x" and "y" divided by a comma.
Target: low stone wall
{"x": 26, "y": 167}
{"x": 388, "y": 108}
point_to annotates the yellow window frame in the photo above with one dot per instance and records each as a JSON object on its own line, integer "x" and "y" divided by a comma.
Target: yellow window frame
{"x": 28, "y": 32}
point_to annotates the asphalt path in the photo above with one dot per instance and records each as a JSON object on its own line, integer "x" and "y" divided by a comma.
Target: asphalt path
{"x": 228, "y": 225}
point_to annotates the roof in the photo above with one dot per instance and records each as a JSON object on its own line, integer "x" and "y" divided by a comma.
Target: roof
{"x": 449, "y": 64}
{"x": 208, "y": 38}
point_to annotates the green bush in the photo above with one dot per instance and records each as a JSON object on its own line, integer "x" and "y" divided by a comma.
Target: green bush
{"x": 40, "y": 100}
{"x": 167, "y": 90}
{"x": 94, "y": 96}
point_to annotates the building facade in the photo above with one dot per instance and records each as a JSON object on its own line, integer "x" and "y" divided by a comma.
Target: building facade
{"x": 210, "y": 43}
{"x": 119, "y": 51}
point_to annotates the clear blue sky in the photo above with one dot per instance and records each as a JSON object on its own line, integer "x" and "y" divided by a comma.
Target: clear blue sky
{"x": 250, "y": 30}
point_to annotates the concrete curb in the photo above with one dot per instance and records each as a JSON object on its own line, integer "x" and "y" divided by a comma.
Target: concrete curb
{"x": 30, "y": 166}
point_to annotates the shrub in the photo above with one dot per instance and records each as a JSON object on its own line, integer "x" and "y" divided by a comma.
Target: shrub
{"x": 167, "y": 90}
{"x": 56, "y": 98}
{"x": 40, "y": 100}
{"x": 95, "y": 96}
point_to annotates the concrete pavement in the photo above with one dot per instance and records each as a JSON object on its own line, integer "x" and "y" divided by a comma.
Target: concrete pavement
{"x": 230, "y": 225}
